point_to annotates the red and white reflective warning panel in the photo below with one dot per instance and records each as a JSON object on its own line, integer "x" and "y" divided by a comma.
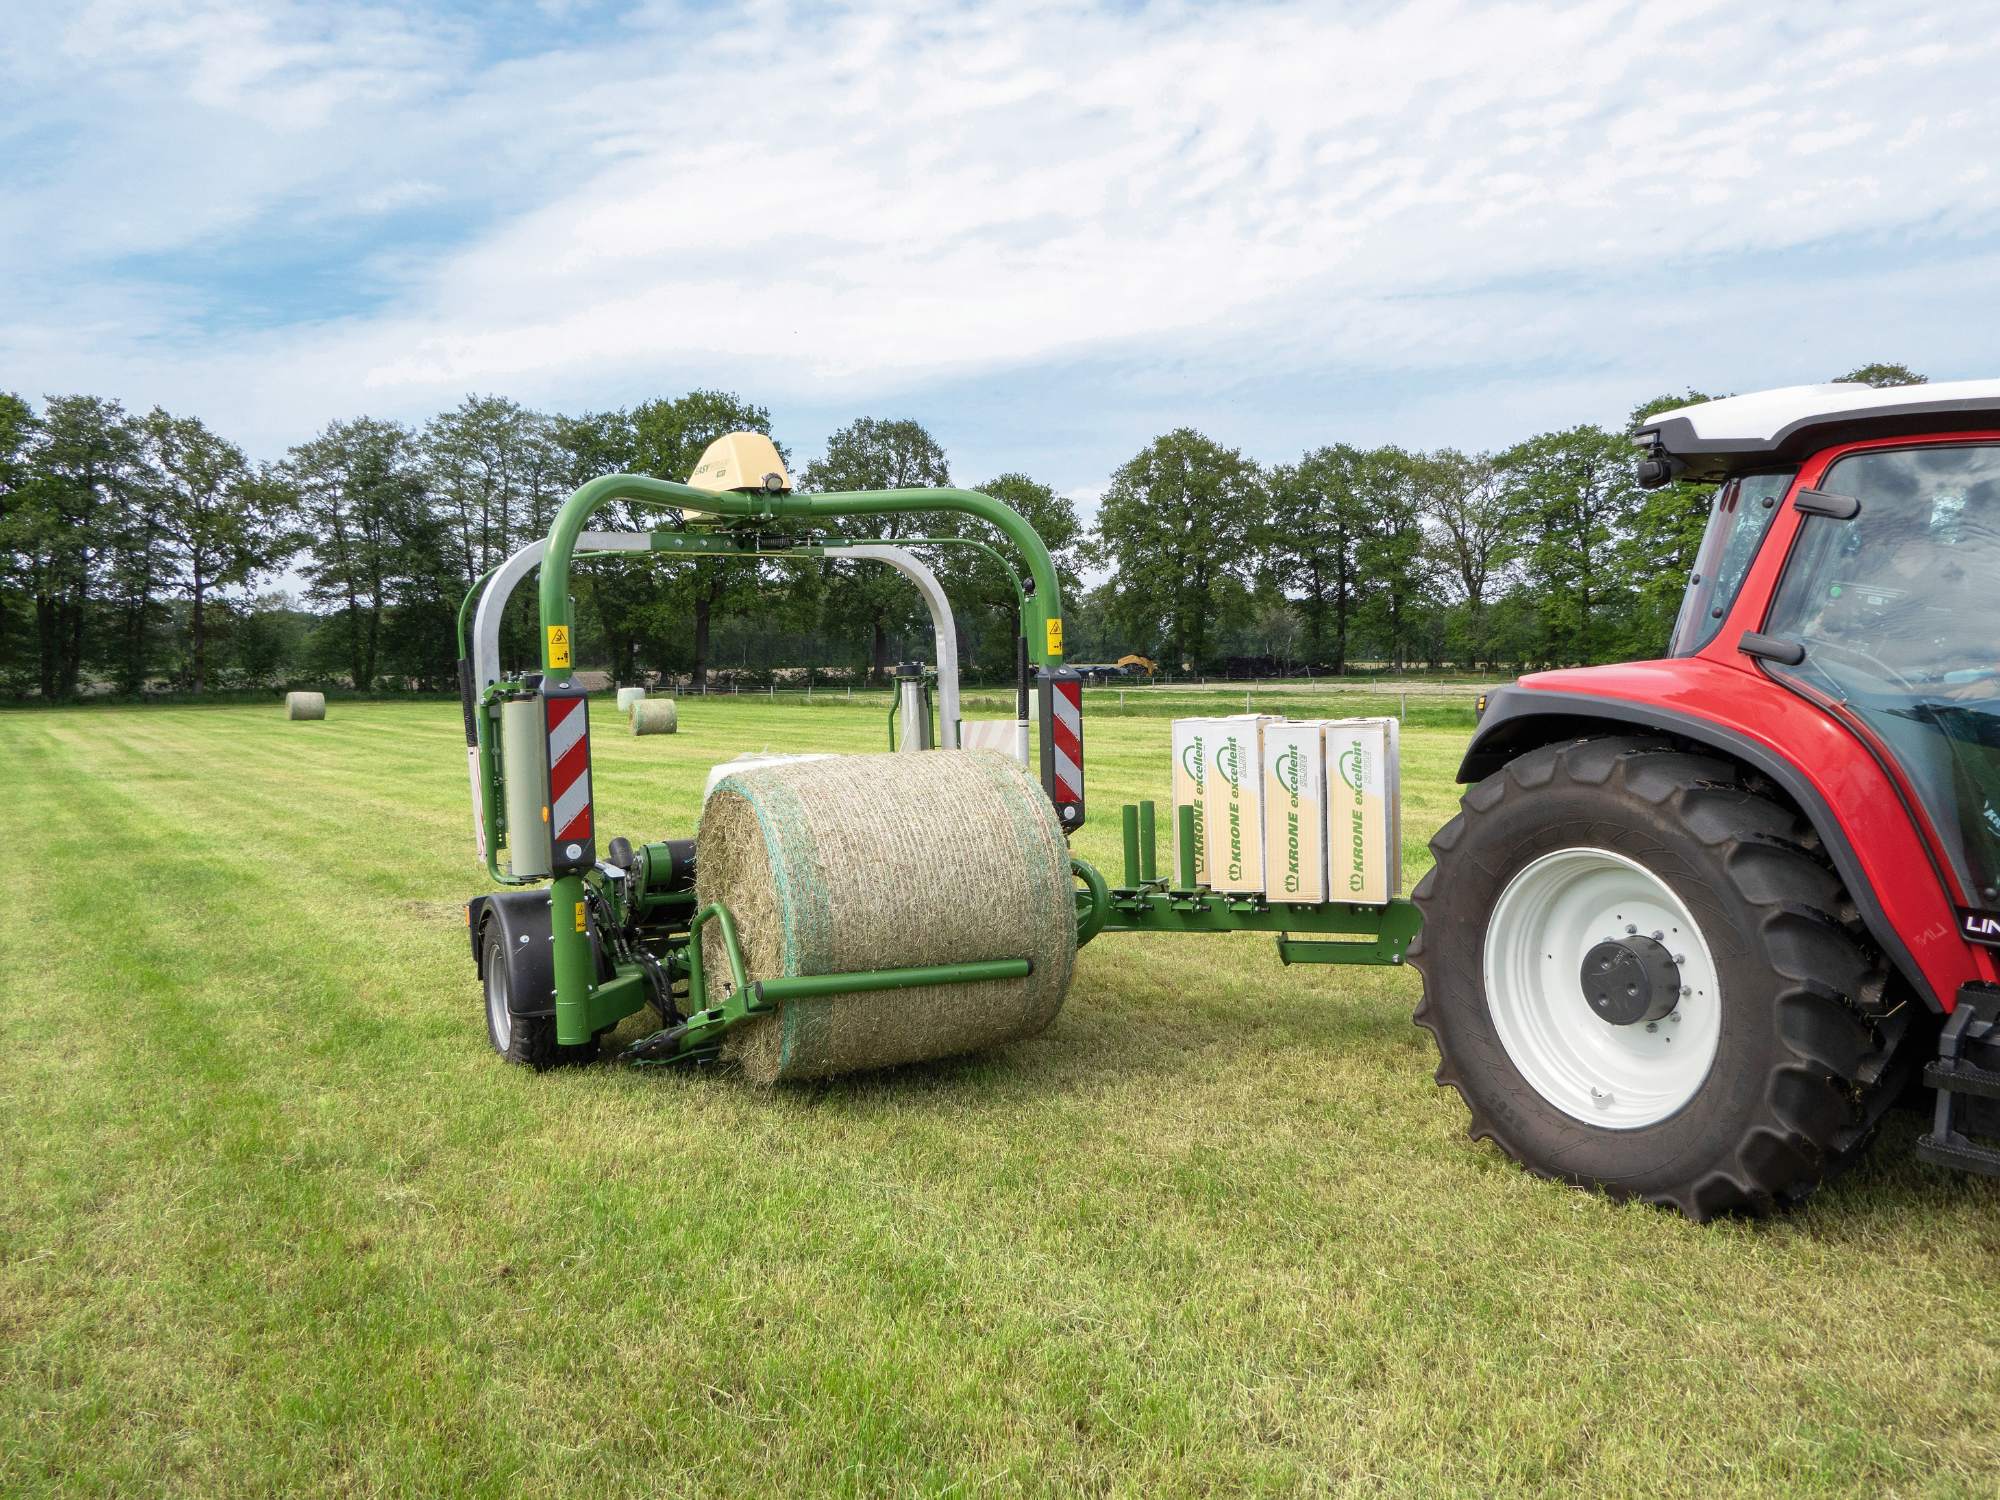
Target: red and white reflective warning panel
{"x": 571, "y": 847}
{"x": 1061, "y": 693}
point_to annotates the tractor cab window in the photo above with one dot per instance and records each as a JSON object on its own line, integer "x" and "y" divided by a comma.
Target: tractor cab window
{"x": 1739, "y": 514}
{"x": 1898, "y": 609}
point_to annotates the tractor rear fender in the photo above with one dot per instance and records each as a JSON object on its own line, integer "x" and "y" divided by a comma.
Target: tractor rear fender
{"x": 1872, "y": 836}
{"x": 522, "y": 918}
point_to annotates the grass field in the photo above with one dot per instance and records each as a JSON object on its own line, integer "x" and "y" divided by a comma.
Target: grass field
{"x": 274, "y": 1220}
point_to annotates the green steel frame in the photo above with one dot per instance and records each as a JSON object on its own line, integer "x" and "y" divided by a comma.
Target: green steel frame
{"x": 757, "y": 524}
{"x": 762, "y": 525}
{"x": 1335, "y": 932}
{"x": 695, "y": 544}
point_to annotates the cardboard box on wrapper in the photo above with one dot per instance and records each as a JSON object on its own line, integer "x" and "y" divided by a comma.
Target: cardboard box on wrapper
{"x": 1364, "y": 835}
{"x": 1295, "y": 811}
{"x": 1192, "y": 738}
{"x": 1233, "y": 804}
{"x": 1198, "y": 784}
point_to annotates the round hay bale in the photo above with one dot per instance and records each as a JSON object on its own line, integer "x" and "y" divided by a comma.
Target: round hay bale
{"x": 627, "y": 696}
{"x": 655, "y": 716}
{"x": 881, "y": 862}
{"x": 305, "y": 705}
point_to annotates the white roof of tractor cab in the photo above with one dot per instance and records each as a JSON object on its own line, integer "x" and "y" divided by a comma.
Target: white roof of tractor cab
{"x": 1718, "y": 438}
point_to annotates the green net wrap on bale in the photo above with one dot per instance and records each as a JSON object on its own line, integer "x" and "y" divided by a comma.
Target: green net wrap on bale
{"x": 305, "y": 705}
{"x": 627, "y": 696}
{"x": 655, "y": 716}
{"x": 881, "y": 862}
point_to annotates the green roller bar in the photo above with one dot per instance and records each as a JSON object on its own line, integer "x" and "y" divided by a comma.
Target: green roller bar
{"x": 813, "y": 986}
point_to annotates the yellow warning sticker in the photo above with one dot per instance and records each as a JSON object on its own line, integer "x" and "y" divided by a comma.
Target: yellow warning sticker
{"x": 1055, "y": 636}
{"x": 579, "y": 916}
{"x": 559, "y": 645}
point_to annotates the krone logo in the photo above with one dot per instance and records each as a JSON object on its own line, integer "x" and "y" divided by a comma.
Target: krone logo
{"x": 1290, "y": 764}
{"x": 1353, "y": 766}
{"x": 1229, "y": 761}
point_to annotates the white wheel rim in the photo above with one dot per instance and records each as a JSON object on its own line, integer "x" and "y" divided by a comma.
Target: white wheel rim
{"x": 1551, "y": 914}
{"x": 499, "y": 1015}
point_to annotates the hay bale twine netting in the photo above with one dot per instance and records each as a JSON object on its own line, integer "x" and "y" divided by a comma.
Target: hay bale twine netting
{"x": 655, "y": 716}
{"x": 878, "y": 862}
{"x": 305, "y": 705}
{"x": 627, "y": 696}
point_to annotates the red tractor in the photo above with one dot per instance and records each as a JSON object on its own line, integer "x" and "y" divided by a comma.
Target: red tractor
{"x": 1699, "y": 920}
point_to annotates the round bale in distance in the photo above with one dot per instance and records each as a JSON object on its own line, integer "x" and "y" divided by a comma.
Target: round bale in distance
{"x": 627, "y": 696}
{"x": 879, "y": 862}
{"x": 654, "y": 716}
{"x": 305, "y": 705}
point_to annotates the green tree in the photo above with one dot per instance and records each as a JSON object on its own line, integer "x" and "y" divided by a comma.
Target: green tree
{"x": 268, "y": 641}
{"x": 1461, "y": 498}
{"x": 1666, "y": 535}
{"x": 1394, "y": 554}
{"x": 984, "y": 603}
{"x": 371, "y": 530}
{"x": 866, "y": 599}
{"x": 17, "y": 433}
{"x": 495, "y": 472}
{"x": 669, "y": 437}
{"x": 1176, "y": 524}
{"x": 612, "y": 593}
{"x": 1309, "y": 537}
{"x": 1885, "y": 375}
{"x": 1088, "y": 631}
{"x": 83, "y": 478}
{"x": 135, "y": 573}
{"x": 1571, "y": 496}
{"x": 217, "y": 521}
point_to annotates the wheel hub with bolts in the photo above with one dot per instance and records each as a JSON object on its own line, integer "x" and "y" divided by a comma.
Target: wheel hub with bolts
{"x": 1582, "y": 926}
{"x": 1631, "y": 980}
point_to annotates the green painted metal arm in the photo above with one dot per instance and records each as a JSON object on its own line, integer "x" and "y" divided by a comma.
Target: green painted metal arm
{"x": 1044, "y": 608}
{"x": 747, "y": 998}
{"x": 1006, "y": 571}
{"x": 571, "y": 953}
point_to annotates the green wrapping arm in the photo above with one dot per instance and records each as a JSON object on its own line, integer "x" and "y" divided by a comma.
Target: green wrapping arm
{"x": 575, "y": 977}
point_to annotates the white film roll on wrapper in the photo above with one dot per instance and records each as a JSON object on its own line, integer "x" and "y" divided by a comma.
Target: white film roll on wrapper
{"x": 524, "y": 764}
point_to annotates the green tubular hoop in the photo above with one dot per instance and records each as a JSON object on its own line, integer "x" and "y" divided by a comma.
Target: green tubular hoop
{"x": 1043, "y": 607}
{"x": 1090, "y": 919}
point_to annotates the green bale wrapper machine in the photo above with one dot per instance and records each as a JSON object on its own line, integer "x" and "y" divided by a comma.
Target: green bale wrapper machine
{"x": 586, "y": 933}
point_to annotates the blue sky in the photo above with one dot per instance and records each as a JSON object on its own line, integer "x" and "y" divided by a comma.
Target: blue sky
{"x": 1048, "y": 230}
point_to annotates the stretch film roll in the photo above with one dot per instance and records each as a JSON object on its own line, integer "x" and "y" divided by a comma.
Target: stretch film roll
{"x": 524, "y": 761}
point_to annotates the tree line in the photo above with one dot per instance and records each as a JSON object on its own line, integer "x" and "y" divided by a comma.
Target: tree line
{"x": 146, "y": 552}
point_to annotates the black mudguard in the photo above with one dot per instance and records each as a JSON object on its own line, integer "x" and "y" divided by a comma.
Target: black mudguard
{"x": 522, "y": 918}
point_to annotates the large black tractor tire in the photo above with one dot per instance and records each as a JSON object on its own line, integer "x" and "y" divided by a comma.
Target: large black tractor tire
{"x": 1800, "y": 1069}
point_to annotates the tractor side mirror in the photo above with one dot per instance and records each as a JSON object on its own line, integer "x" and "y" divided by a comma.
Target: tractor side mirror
{"x": 1826, "y": 503}
{"x": 1655, "y": 470}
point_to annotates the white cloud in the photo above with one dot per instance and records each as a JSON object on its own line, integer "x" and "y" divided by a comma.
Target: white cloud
{"x": 830, "y": 207}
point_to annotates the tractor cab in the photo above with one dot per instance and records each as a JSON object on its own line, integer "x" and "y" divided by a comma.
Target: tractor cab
{"x": 1886, "y": 602}
{"x": 1701, "y": 918}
